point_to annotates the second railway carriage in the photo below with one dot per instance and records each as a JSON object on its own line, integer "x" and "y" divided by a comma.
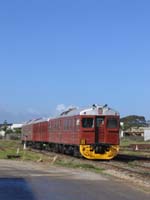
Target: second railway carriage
{"x": 92, "y": 132}
{"x": 35, "y": 132}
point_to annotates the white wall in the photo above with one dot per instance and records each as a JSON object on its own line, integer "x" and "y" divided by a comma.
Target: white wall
{"x": 16, "y": 126}
{"x": 2, "y": 133}
{"x": 146, "y": 134}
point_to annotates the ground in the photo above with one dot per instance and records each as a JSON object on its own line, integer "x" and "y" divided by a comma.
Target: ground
{"x": 22, "y": 180}
{"x": 34, "y": 171}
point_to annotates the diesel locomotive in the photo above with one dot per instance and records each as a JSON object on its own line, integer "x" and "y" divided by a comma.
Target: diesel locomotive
{"x": 91, "y": 132}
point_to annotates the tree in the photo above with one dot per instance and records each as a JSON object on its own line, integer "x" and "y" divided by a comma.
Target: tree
{"x": 5, "y": 126}
{"x": 133, "y": 121}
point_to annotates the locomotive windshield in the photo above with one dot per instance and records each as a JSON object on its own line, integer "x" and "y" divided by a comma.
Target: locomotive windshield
{"x": 87, "y": 122}
{"x": 99, "y": 121}
{"x": 112, "y": 123}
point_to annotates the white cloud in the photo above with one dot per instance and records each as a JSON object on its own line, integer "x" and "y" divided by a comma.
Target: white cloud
{"x": 19, "y": 117}
{"x": 60, "y": 107}
{"x": 33, "y": 111}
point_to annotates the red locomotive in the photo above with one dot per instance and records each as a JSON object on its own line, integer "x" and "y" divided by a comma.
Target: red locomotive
{"x": 92, "y": 132}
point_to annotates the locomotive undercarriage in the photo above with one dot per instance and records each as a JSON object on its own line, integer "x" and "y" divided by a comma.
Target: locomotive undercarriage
{"x": 96, "y": 151}
{"x": 57, "y": 148}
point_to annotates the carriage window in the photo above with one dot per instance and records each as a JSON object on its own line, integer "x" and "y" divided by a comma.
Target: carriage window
{"x": 65, "y": 124}
{"x": 60, "y": 124}
{"x": 77, "y": 122}
{"x": 87, "y": 122}
{"x": 112, "y": 123}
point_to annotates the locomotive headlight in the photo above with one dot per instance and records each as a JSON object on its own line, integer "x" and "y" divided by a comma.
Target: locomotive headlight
{"x": 100, "y": 111}
{"x": 82, "y": 141}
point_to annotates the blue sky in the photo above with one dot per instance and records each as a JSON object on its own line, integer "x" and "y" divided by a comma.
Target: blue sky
{"x": 81, "y": 52}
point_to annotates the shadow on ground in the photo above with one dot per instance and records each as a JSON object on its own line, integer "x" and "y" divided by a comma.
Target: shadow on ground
{"x": 127, "y": 158}
{"x": 15, "y": 189}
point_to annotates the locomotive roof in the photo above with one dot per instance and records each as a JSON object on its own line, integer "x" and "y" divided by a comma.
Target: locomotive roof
{"x": 92, "y": 110}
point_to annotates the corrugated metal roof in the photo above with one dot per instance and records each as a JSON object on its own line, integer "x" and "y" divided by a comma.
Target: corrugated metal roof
{"x": 34, "y": 121}
{"x": 91, "y": 110}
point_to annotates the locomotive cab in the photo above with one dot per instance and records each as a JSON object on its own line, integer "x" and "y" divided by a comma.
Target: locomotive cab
{"x": 99, "y": 136}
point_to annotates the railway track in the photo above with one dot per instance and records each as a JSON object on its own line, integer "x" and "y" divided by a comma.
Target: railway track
{"x": 130, "y": 168}
{"x": 128, "y": 158}
{"x": 136, "y": 162}
{"x": 138, "y": 165}
{"x": 133, "y": 164}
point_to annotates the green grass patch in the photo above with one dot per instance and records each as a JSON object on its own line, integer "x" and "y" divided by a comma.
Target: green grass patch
{"x": 124, "y": 142}
{"x": 135, "y": 153}
{"x": 71, "y": 164}
{"x": 9, "y": 147}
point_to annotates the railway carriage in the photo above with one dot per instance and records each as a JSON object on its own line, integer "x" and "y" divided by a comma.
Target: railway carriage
{"x": 92, "y": 132}
{"x": 35, "y": 132}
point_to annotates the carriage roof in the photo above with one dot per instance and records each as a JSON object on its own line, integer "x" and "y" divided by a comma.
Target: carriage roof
{"x": 91, "y": 110}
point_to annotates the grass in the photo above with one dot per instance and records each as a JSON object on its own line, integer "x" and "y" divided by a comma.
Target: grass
{"x": 124, "y": 142}
{"x": 127, "y": 150}
{"x": 73, "y": 164}
{"x": 135, "y": 153}
{"x": 9, "y": 147}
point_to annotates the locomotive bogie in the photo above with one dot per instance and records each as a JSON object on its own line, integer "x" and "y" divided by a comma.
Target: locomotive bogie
{"x": 89, "y": 152}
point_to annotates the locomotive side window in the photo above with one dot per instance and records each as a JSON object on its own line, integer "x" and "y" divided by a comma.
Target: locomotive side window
{"x": 112, "y": 123}
{"x": 87, "y": 122}
{"x": 77, "y": 122}
{"x": 66, "y": 124}
{"x": 60, "y": 124}
{"x": 70, "y": 124}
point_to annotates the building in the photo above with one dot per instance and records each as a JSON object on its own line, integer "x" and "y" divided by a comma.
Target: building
{"x": 3, "y": 125}
{"x": 134, "y": 131}
{"x": 2, "y": 133}
{"x": 16, "y": 126}
{"x": 148, "y": 123}
{"x": 147, "y": 134}
{"x": 9, "y": 128}
{"x": 121, "y": 129}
